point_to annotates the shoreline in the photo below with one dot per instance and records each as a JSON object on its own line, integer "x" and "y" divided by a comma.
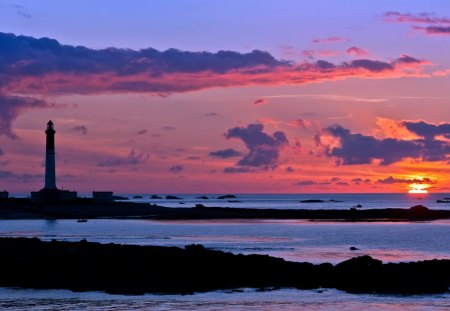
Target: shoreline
{"x": 130, "y": 269}
{"x": 86, "y": 209}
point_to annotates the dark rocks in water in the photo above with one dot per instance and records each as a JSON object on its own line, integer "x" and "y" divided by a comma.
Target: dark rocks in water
{"x": 172, "y": 197}
{"x": 199, "y": 206}
{"x": 227, "y": 196}
{"x": 443, "y": 201}
{"x": 312, "y": 201}
{"x": 132, "y": 269}
{"x": 419, "y": 209}
{"x": 119, "y": 197}
{"x": 203, "y": 197}
{"x": 155, "y": 197}
{"x": 352, "y": 248}
{"x": 138, "y": 197}
{"x": 358, "y": 206}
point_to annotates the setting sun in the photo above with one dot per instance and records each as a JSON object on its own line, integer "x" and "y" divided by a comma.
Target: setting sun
{"x": 418, "y": 188}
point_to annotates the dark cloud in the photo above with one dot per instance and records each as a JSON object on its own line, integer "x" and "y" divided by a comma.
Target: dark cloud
{"x": 264, "y": 149}
{"x": 169, "y": 128}
{"x": 434, "y": 25}
{"x": 132, "y": 158}
{"x": 392, "y": 180}
{"x": 1, "y": 152}
{"x": 225, "y": 153}
{"x": 142, "y": 132}
{"x": 12, "y": 106}
{"x": 359, "y": 180}
{"x": 193, "y": 158}
{"x": 233, "y": 170}
{"x": 311, "y": 183}
{"x": 363, "y": 149}
{"x": 260, "y": 101}
{"x": 176, "y": 168}
{"x": 289, "y": 169}
{"x": 80, "y": 128}
{"x": 427, "y": 130}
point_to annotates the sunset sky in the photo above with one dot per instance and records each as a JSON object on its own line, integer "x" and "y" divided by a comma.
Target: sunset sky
{"x": 226, "y": 96}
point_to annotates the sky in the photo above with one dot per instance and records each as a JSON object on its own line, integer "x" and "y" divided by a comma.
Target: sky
{"x": 226, "y": 96}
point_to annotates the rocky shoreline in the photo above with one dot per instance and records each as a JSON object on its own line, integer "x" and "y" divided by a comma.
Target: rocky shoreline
{"x": 128, "y": 269}
{"x": 86, "y": 209}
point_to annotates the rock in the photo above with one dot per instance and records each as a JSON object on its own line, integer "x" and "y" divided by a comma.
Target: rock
{"x": 118, "y": 197}
{"x": 138, "y": 197}
{"x": 418, "y": 209}
{"x": 352, "y": 248}
{"x": 358, "y": 206}
{"x": 332, "y": 200}
{"x": 227, "y": 196}
{"x": 155, "y": 197}
{"x": 199, "y": 206}
{"x": 312, "y": 201}
{"x": 172, "y": 197}
{"x": 443, "y": 201}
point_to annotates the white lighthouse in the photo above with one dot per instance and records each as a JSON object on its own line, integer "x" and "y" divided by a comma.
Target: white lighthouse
{"x": 50, "y": 174}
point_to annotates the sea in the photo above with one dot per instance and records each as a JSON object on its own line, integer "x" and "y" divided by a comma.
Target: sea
{"x": 294, "y": 240}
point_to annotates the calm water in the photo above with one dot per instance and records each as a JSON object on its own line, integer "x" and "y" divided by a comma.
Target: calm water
{"x": 290, "y": 239}
{"x": 292, "y": 201}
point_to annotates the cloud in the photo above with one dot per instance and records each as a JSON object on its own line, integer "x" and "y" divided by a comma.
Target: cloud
{"x": 435, "y": 25}
{"x": 329, "y": 40}
{"x": 311, "y": 183}
{"x": 311, "y": 54}
{"x": 12, "y": 106}
{"x": 356, "y": 51}
{"x": 132, "y": 158}
{"x": 225, "y": 153}
{"x": 23, "y": 178}
{"x": 32, "y": 67}
{"x": 80, "y": 128}
{"x": 234, "y": 170}
{"x": 1, "y": 152}
{"x": 264, "y": 149}
{"x": 358, "y": 181}
{"x": 211, "y": 114}
{"x": 169, "y": 128}
{"x": 37, "y": 66}
{"x": 176, "y": 168}
{"x": 289, "y": 169}
{"x": 427, "y": 130}
{"x": 351, "y": 148}
{"x": 392, "y": 180}
{"x": 260, "y": 101}
{"x": 142, "y": 132}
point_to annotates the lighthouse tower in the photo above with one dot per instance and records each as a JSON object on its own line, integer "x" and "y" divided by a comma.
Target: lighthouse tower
{"x": 50, "y": 175}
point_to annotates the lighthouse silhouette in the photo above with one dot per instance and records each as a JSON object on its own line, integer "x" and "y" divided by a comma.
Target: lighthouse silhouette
{"x": 50, "y": 169}
{"x": 50, "y": 194}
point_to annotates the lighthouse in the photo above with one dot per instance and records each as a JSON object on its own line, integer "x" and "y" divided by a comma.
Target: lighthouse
{"x": 50, "y": 171}
{"x": 50, "y": 194}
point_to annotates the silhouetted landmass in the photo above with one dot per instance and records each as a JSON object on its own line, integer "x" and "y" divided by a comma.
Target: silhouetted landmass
{"x": 155, "y": 197}
{"x": 172, "y": 197}
{"x": 84, "y": 208}
{"x": 227, "y": 196}
{"x": 443, "y": 201}
{"x": 130, "y": 269}
{"x": 312, "y": 201}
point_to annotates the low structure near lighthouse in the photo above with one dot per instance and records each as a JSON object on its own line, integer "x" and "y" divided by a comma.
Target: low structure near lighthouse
{"x": 50, "y": 193}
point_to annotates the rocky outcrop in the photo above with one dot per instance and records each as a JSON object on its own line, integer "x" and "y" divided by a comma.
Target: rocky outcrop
{"x": 130, "y": 269}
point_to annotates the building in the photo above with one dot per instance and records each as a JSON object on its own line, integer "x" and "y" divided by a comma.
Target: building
{"x": 50, "y": 193}
{"x": 4, "y": 195}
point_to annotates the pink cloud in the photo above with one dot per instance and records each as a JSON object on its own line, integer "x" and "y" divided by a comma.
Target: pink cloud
{"x": 435, "y": 25}
{"x": 329, "y": 40}
{"x": 356, "y": 51}
{"x": 260, "y": 101}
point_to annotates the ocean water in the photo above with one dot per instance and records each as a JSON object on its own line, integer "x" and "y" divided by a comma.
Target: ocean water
{"x": 293, "y": 201}
{"x": 295, "y": 240}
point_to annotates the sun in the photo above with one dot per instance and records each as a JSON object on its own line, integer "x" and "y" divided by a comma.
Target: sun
{"x": 418, "y": 188}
